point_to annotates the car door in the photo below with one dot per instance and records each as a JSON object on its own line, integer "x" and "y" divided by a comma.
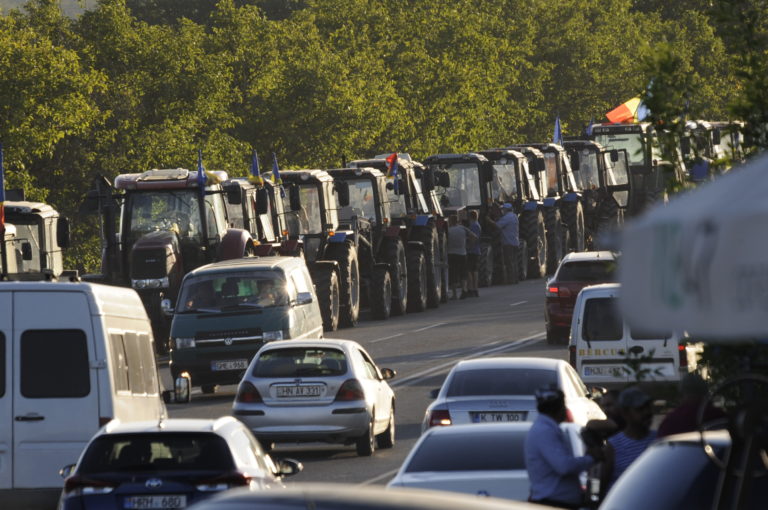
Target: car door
{"x": 55, "y": 392}
{"x": 6, "y": 396}
{"x": 380, "y": 386}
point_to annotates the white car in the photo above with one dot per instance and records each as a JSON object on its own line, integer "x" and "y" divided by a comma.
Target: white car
{"x": 317, "y": 390}
{"x": 485, "y": 461}
{"x": 489, "y": 390}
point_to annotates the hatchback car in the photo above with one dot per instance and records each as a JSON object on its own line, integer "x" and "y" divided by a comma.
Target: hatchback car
{"x": 318, "y": 390}
{"x": 228, "y": 310}
{"x": 487, "y": 461}
{"x": 168, "y": 464}
{"x": 576, "y": 271}
{"x": 491, "y": 390}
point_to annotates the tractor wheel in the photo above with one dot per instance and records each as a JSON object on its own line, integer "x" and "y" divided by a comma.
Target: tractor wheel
{"x": 349, "y": 282}
{"x": 535, "y": 235}
{"x": 398, "y": 271}
{"x": 327, "y": 285}
{"x": 499, "y": 271}
{"x": 417, "y": 281}
{"x": 554, "y": 228}
{"x": 485, "y": 266}
{"x": 380, "y": 295}
{"x": 444, "y": 275}
{"x": 572, "y": 214}
{"x": 430, "y": 239}
{"x": 522, "y": 268}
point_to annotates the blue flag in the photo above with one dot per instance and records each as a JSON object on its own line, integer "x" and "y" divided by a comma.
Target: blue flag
{"x": 558, "y": 136}
{"x": 2, "y": 194}
{"x": 276, "y": 175}
{"x": 201, "y": 177}
{"x": 255, "y": 173}
{"x": 588, "y": 131}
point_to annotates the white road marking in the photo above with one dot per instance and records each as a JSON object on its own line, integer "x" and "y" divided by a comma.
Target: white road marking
{"x": 386, "y": 338}
{"x": 429, "y": 327}
{"x": 381, "y": 476}
{"x": 518, "y": 303}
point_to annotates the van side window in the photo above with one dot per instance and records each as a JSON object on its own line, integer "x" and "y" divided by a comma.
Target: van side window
{"x": 119, "y": 362}
{"x": 301, "y": 283}
{"x": 602, "y": 320}
{"x": 147, "y": 370}
{"x": 54, "y": 364}
{"x": 135, "y": 377}
{"x": 2, "y": 364}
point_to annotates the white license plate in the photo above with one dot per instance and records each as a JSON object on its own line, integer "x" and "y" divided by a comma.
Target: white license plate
{"x": 299, "y": 391}
{"x": 607, "y": 371}
{"x": 498, "y": 417}
{"x": 231, "y": 364}
{"x": 167, "y": 501}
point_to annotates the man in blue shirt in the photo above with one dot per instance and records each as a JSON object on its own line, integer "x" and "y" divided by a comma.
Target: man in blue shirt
{"x": 510, "y": 241}
{"x": 553, "y": 470}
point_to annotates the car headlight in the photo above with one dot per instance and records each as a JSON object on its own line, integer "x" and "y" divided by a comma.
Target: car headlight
{"x": 151, "y": 283}
{"x": 185, "y": 343}
{"x": 269, "y": 336}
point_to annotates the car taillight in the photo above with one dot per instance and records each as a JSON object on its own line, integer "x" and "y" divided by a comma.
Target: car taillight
{"x": 79, "y": 485}
{"x": 568, "y": 415}
{"x": 572, "y": 355}
{"x": 683, "y": 356}
{"x": 557, "y": 291}
{"x": 440, "y": 418}
{"x": 248, "y": 394}
{"x": 223, "y": 482}
{"x": 350, "y": 390}
{"x": 552, "y": 291}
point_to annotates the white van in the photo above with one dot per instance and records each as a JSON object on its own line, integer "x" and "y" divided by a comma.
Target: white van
{"x": 605, "y": 351}
{"x": 73, "y": 356}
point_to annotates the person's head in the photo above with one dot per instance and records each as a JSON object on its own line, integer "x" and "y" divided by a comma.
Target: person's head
{"x": 551, "y": 401}
{"x": 635, "y": 406}
{"x": 473, "y": 215}
{"x": 609, "y": 403}
{"x": 506, "y": 208}
{"x": 453, "y": 220}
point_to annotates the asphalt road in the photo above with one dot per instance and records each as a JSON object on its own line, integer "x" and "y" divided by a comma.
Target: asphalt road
{"x": 421, "y": 348}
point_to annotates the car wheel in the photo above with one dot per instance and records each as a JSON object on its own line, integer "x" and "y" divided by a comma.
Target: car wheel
{"x": 366, "y": 444}
{"x": 208, "y": 388}
{"x": 387, "y": 438}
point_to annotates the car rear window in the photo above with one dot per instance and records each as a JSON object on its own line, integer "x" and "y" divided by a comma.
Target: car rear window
{"x": 500, "y": 381}
{"x": 593, "y": 271}
{"x": 602, "y": 320}
{"x": 157, "y": 451}
{"x": 300, "y": 362}
{"x": 470, "y": 452}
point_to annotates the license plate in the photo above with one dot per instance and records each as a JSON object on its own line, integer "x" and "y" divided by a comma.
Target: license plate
{"x": 299, "y": 391}
{"x": 608, "y": 371}
{"x": 231, "y": 364}
{"x": 498, "y": 417}
{"x": 167, "y": 501}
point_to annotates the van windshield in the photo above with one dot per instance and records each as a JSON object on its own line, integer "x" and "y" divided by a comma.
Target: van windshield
{"x": 215, "y": 292}
{"x": 602, "y": 320}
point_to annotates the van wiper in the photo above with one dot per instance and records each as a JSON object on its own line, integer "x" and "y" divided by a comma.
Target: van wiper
{"x": 198, "y": 310}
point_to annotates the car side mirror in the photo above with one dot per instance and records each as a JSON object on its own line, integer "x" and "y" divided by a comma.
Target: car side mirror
{"x": 597, "y": 392}
{"x": 289, "y": 467}
{"x": 26, "y": 251}
{"x": 428, "y": 180}
{"x": 685, "y": 146}
{"x": 716, "y": 137}
{"x": 295, "y": 198}
{"x": 182, "y": 393}
{"x": 262, "y": 201}
{"x": 234, "y": 194}
{"x": 443, "y": 179}
{"x": 62, "y": 232}
{"x": 303, "y": 298}
{"x": 167, "y": 307}
{"x": 342, "y": 188}
{"x": 67, "y": 470}
{"x": 614, "y": 156}
{"x": 434, "y": 393}
{"x": 388, "y": 373}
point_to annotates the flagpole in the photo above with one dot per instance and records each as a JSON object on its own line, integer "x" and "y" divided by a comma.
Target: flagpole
{"x": 4, "y": 246}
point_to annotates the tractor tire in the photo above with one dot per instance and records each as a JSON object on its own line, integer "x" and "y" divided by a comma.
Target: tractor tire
{"x": 554, "y": 228}
{"x": 431, "y": 241}
{"x": 444, "y": 274}
{"x": 380, "y": 296}
{"x": 327, "y": 285}
{"x": 572, "y": 214}
{"x": 485, "y": 266}
{"x": 349, "y": 282}
{"x": 522, "y": 268}
{"x": 610, "y": 217}
{"x": 417, "y": 281}
{"x": 499, "y": 271}
{"x": 535, "y": 235}
{"x": 398, "y": 272}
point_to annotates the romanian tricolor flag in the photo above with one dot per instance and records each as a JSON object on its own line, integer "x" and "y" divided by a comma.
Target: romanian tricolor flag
{"x": 392, "y": 168}
{"x": 2, "y": 195}
{"x": 631, "y": 111}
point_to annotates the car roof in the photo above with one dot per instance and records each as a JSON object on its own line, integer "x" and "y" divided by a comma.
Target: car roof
{"x": 589, "y": 255}
{"x": 509, "y": 362}
{"x": 601, "y": 288}
{"x": 474, "y": 428}
{"x": 171, "y": 425}
{"x": 248, "y": 264}
{"x": 319, "y": 342}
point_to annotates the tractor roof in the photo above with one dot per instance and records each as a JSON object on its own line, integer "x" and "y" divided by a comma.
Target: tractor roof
{"x": 355, "y": 173}
{"x": 455, "y": 158}
{"x": 175, "y": 178}
{"x": 297, "y": 176}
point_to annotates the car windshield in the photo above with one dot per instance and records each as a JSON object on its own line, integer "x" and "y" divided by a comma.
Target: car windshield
{"x": 676, "y": 475}
{"x": 632, "y": 142}
{"x": 307, "y": 219}
{"x": 164, "y": 210}
{"x": 300, "y": 362}
{"x": 588, "y": 170}
{"x": 156, "y": 452}
{"x": 504, "y": 184}
{"x": 464, "y": 188}
{"x": 214, "y": 292}
{"x": 361, "y": 200}
{"x": 588, "y": 271}
{"x": 478, "y": 451}
{"x": 602, "y": 320}
{"x": 500, "y": 381}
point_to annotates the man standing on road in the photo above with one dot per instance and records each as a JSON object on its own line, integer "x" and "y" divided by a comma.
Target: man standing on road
{"x": 552, "y": 468}
{"x": 473, "y": 254}
{"x": 510, "y": 241}
{"x": 457, "y": 255}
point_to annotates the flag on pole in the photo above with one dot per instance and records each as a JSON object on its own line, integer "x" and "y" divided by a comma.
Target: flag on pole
{"x": 392, "y": 168}
{"x": 201, "y": 177}
{"x": 631, "y": 111}
{"x": 276, "y": 175}
{"x": 255, "y": 173}
{"x": 558, "y": 135}
{"x": 2, "y": 195}
{"x": 588, "y": 131}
